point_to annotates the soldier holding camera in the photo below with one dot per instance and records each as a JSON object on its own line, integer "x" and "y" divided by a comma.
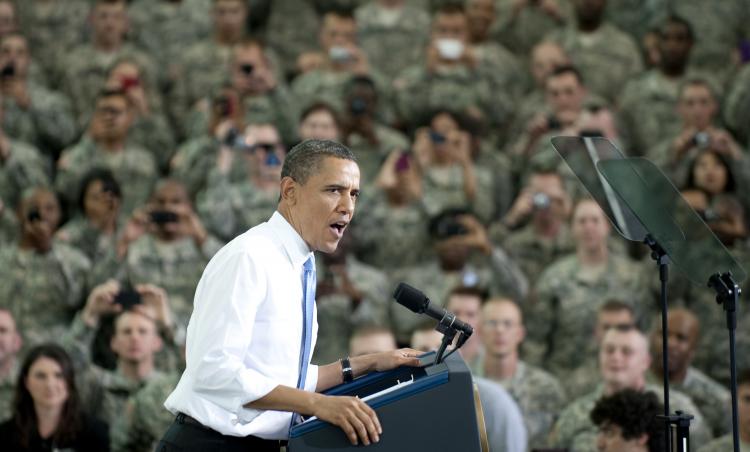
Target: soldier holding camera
{"x": 141, "y": 316}
{"x": 166, "y": 244}
{"x": 106, "y": 145}
{"x": 31, "y": 112}
{"x": 535, "y": 230}
{"x": 698, "y": 107}
{"x": 43, "y": 280}
{"x": 231, "y": 207}
{"x": 258, "y": 96}
{"x": 464, "y": 257}
{"x": 325, "y": 74}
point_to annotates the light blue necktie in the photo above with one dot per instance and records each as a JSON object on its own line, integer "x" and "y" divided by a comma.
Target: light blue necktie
{"x": 308, "y": 304}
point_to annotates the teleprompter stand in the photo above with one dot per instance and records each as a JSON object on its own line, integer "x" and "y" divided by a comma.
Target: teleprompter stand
{"x": 644, "y": 206}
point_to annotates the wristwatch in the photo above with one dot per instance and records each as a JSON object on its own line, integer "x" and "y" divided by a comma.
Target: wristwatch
{"x": 346, "y": 370}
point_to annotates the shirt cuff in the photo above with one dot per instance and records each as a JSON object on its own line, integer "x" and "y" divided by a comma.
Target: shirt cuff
{"x": 311, "y": 379}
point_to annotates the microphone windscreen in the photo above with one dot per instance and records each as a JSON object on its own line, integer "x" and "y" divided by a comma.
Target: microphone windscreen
{"x": 411, "y": 298}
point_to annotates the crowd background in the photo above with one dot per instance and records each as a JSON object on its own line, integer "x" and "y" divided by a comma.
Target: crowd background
{"x": 136, "y": 138}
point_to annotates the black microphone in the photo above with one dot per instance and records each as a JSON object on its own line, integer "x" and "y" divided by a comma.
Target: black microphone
{"x": 416, "y": 301}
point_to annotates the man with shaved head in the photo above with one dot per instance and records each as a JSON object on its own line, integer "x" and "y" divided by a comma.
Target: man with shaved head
{"x": 624, "y": 360}
{"x": 539, "y": 395}
{"x": 683, "y": 331}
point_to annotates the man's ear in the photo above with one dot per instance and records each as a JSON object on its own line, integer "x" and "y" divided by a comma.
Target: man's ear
{"x": 642, "y": 440}
{"x": 289, "y": 190}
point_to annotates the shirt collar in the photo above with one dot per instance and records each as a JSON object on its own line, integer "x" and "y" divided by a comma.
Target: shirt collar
{"x": 295, "y": 247}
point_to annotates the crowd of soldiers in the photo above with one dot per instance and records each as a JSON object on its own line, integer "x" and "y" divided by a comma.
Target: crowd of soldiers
{"x": 138, "y": 137}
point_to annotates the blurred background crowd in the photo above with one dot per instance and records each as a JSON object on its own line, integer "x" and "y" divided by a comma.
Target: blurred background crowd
{"x": 136, "y": 138}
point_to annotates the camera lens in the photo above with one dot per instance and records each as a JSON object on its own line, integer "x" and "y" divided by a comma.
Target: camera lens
{"x": 540, "y": 201}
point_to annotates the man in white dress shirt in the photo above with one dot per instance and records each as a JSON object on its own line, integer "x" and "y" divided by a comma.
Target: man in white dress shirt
{"x": 249, "y": 341}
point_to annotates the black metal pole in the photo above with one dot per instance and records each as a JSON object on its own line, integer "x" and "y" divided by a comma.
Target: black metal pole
{"x": 727, "y": 295}
{"x": 663, "y": 277}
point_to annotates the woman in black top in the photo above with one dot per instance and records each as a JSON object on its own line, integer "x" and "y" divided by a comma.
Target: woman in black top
{"x": 47, "y": 415}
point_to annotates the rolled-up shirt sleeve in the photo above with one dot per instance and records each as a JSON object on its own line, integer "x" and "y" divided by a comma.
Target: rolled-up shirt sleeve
{"x": 227, "y": 302}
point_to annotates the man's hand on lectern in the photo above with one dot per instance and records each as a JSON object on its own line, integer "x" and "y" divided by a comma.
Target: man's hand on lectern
{"x": 352, "y": 415}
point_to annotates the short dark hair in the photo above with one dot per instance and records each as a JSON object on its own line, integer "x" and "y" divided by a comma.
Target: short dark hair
{"x": 24, "y": 413}
{"x": 321, "y": 106}
{"x": 103, "y": 175}
{"x": 567, "y": 69}
{"x": 614, "y": 305}
{"x": 470, "y": 291}
{"x": 731, "y": 183}
{"x": 635, "y": 412}
{"x": 106, "y": 92}
{"x": 305, "y": 158}
{"x": 677, "y": 20}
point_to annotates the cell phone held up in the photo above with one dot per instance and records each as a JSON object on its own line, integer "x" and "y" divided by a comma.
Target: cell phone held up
{"x": 162, "y": 217}
{"x": 127, "y": 298}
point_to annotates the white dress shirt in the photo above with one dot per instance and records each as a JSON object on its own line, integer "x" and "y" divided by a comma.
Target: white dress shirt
{"x": 244, "y": 336}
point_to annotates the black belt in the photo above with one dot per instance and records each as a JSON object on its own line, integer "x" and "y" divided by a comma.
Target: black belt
{"x": 183, "y": 418}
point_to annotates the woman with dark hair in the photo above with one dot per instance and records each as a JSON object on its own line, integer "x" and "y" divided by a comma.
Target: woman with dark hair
{"x": 710, "y": 171}
{"x": 46, "y": 410}
{"x": 94, "y": 231}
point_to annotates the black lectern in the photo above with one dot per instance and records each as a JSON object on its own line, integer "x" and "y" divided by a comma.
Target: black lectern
{"x": 430, "y": 407}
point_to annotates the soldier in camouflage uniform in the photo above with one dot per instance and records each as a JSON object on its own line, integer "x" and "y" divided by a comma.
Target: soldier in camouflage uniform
{"x": 395, "y": 215}
{"x": 350, "y": 295}
{"x": 43, "y": 281}
{"x": 164, "y": 28}
{"x": 612, "y": 314}
{"x": 290, "y": 25}
{"x": 698, "y": 108}
{"x": 231, "y": 208}
{"x": 605, "y": 55}
{"x": 369, "y": 140}
{"x": 636, "y": 17}
{"x": 106, "y": 145}
{"x": 53, "y": 28}
{"x": 202, "y": 68}
{"x": 502, "y": 66}
{"x": 151, "y": 129}
{"x": 340, "y": 58}
{"x": 539, "y": 395}
{"x": 94, "y": 232}
{"x": 648, "y": 103}
{"x": 623, "y": 361}
{"x": 465, "y": 257}
{"x": 31, "y": 112}
{"x": 145, "y": 419}
{"x": 522, "y": 24}
{"x": 10, "y": 345}
{"x": 83, "y": 71}
{"x": 682, "y": 337}
{"x": 170, "y": 251}
{"x": 135, "y": 341}
{"x": 569, "y": 292}
{"x": 258, "y": 95}
{"x": 718, "y": 31}
{"x": 392, "y": 34}
{"x": 195, "y": 161}
{"x": 545, "y": 57}
{"x": 445, "y": 154}
{"x": 452, "y": 76}
{"x": 535, "y": 230}
{"x": 725, "y": 443}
